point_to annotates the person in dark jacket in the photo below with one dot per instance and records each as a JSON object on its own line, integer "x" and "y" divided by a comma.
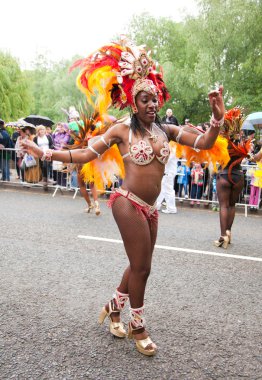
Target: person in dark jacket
{"x": 5, "y": 143}
{"x": 169, "y": 118}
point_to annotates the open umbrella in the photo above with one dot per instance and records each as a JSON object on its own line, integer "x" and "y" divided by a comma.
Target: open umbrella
{"x": 39, "y": 120}
{"x": 19, "y": 124}
{"x": 255, "y": 118}
{"x": 248, "y": 126}
{"x": 12, "y": 124}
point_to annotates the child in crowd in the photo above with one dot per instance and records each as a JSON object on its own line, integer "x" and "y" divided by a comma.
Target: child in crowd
{"x": 197, "y": 182}
{"x": 255, "y": 191}
{"x": 183, "y": 173}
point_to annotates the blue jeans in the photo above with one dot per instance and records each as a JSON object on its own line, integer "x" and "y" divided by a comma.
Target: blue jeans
{"x": 196, "y": 191}
{"x": 4, "y": 166}
{"x": 74, "y": 179}
{"x": 181, "y": 187}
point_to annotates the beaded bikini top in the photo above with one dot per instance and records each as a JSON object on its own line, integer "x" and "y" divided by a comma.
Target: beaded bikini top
{"x": 142, "y": 153}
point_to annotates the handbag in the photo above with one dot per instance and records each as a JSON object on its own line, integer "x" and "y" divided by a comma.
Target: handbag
{"x": 29, "y": 160}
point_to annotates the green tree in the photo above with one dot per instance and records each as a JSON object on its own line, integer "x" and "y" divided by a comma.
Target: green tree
{"x": 228, "y": 38}
{"x": 14, "y": 94}
{"x": 221, "y": 45}
{"x": 53, "y": 88}
{"x": 171, "y": 48}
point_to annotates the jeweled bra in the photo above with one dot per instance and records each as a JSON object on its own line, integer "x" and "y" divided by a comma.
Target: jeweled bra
{"x": 142, "y": 154}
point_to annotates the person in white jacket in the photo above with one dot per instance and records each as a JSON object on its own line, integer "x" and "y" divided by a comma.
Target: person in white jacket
{"x": 167, "y": 185}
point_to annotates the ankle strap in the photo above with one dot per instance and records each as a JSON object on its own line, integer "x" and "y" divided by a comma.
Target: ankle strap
{"x": 137, "y": 319}
{"x": 120, "y": 299}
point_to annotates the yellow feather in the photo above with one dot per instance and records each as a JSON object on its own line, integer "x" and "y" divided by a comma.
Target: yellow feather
{"x": 102, "y": 171}
{"x": 217, "y": 154}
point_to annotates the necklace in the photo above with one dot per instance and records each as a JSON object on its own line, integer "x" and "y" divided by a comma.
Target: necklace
{"x": 153, "y": 137}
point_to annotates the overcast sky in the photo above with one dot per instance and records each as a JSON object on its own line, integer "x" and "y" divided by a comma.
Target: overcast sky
{"x": 60, "y": 29}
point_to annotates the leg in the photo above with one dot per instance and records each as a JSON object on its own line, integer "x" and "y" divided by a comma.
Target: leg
{"x": 93, "y": 190}
{"x": 257, "y": 196}
{"x": 95, "y": 197}
{"x": 139, "y": 252}
{"x": 161, "y": 196}
{"x": 228, "y": 195}
{"x": 252, "y": 195}
{"x": 17, "y": 167}
{"x": 83, "y": 191}
{"x": 234, "y": 197}
{"x": 5, "y": 170}
{"x": 43, "y": 166}
{"x": 170, "y": 195}
{"x": 193, "y": 193}
{"x": 199, "y": 193}
{"x": 180, "y": 190}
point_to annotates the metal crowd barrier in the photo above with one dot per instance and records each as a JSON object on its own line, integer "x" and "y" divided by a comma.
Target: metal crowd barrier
{"x": 61, "y": 178}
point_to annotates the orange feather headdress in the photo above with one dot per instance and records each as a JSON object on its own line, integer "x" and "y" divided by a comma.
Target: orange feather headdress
{"x": 233, "y": 121}
{"x": 115, "y": 73}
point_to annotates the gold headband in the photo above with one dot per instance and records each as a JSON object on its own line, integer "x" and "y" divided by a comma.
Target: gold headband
{"x": 146, "y": 85}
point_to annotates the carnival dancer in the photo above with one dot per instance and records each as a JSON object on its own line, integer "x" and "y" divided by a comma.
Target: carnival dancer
{"x": 81, "y": 136}
{"x": 122, "y": 74}
{"x": 230, "y": 179}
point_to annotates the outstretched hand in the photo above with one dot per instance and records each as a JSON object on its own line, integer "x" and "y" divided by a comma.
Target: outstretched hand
{"x": 30, "y": 147}
{"x": 217, "y": 103}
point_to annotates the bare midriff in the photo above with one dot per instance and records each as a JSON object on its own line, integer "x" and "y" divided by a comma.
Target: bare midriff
{"x": 144, "y": 181}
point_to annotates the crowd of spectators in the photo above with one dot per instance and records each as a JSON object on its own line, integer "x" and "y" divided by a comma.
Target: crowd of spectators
{"x": 196, "y": 183}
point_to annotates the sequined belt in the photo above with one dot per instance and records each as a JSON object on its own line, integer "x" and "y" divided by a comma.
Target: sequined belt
{"x": 127, "y": 194}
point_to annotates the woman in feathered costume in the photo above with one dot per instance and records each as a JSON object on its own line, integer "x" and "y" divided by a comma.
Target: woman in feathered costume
{"x": 230, "y": 179}
{"x": 122, "y": 74}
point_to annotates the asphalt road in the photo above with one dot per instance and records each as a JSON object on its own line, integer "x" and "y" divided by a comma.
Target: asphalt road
{"x": 203, "y": 310}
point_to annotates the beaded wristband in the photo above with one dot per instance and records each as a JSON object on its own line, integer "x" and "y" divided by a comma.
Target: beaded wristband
{"x": 47, "y": 155}
{"x": 216, "y": 123}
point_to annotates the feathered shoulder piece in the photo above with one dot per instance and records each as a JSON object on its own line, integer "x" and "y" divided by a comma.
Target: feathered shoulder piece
{"x": 217, "y": 154}
{"x": 101, "y": 171}
{"x": 92, "y": 126}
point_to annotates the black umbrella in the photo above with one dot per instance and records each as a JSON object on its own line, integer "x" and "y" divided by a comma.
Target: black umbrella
{"x": 39, "y": 120}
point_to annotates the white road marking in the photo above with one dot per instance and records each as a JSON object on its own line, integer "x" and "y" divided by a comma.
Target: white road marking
{"x": 169, "y": 248}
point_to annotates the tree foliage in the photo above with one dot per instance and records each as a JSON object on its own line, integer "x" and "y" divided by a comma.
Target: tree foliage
{"x": 53, "y": 88}
{"x": 223, "y": 44}
{"x": 14, "y": 94}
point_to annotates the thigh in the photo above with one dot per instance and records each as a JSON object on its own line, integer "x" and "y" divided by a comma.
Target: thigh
{"x": 135, "y": 231}
{"x": 236, "y": 191}
{"x": 228, "y": 193}
{"x": 223, "y": 190}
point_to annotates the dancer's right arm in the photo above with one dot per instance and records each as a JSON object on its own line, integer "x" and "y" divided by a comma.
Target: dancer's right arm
{"x": 112, "y": 136}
